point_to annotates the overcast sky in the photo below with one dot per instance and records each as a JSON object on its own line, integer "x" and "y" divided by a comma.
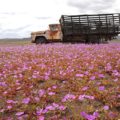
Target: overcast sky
{"x": 19, "y": 17}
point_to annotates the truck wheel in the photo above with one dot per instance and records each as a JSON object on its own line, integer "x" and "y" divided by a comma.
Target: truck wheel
{"x": 40, "y": 40}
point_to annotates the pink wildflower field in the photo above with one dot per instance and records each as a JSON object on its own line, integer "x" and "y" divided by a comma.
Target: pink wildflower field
{"x": 60, "y": 82}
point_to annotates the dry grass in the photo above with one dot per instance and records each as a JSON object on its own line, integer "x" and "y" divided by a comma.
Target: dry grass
{"x": 15, "y": 42}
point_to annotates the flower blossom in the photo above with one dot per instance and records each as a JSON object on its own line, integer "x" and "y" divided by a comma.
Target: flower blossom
{"x": 26, "y": 100}
{"x": 82, "y": 97}
{"x": 19, "y": 113}
{"x": 101, "y": 88}
{"x": 89, "y": 116}
{"x": 68, "y": 97}
{"x": 106, "y": 107}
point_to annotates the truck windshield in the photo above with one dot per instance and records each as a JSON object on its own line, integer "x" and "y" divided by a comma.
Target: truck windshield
{"x": 53, "y": 27}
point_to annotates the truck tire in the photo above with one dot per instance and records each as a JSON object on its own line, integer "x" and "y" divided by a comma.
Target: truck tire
{"x": 40, "y": 40}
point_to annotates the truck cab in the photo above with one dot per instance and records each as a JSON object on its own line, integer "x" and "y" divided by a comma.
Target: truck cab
{"x": 53, "y": 34}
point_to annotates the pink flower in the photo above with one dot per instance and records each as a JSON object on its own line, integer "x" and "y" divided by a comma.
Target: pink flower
{"x": 106, "y": 107}
{"x": 47, "y": 77}
{"x": 101, "y": 76}
{"x": 92, "y": 78}
{"x": 108, "y": 67}
{"x": 81, "y": 97}
{"x": 86, "y": 73}
{"x": 9, "y": 107}
{"x": 51, "y": 93}
{"x": 5, "y": 92}
{"x": 3, "y": 84}
{"x": 34, "y": 76}
{"x": 41, "y": 92}
{"x": 45, "y": 111}
{"x": 2, "y": 110}
{"x": 41, "y": 118}
{"x": 101, "y": 88}
{"x": 119, "y": 96}
{"x": 68, "y": 97}
{"x": 50, "y": 107}
{"x": 115, "y": 80}
{"x": 115, "y": 73}
{"x": 26, "y": 100}
{"x": 89, "y": 97}
{"x": 89, "y": 116}
{"x": 85, "y": 88}
{"x": 23, "y": 117}
{"x": 61, "y": 107}
{"x": 79, "y": 75}
{"x": 39, "y": 111}
{"x": 19, "y": 113}
{"x": 55, "y": 105}
{"x": 49, "y": 89}
{"x": 37, "y": 99}
{"x": 54, "y": 86}
{"x": 11, "y": 101}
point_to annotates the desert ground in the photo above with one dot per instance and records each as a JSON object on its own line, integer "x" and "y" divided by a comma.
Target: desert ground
{"x": 59, "y": 81}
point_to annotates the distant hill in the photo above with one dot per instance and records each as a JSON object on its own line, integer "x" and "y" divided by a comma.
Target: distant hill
{"x": 15, "y": 41}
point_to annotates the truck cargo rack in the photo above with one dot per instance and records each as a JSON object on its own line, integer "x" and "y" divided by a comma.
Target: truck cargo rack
{"x": 94, "y": 28}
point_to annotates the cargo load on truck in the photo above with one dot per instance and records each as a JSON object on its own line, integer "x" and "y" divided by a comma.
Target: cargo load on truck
{"x": 94, "y": 28}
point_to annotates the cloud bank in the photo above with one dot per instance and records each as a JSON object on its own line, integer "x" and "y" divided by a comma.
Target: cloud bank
{"x": 93, "y": 6}
{"x": 18, "y": 18}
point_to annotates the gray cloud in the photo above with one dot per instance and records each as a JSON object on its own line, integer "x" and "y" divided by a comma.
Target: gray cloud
{"x": 18, "y": 21}
{"x": 22, "y": 28}
{"x": 94, "y": 6}
{"x": 17, "y": 32}
{"x": 9, "y": 33}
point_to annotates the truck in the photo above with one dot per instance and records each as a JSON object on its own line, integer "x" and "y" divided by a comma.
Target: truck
{"x": 88, "y": 28}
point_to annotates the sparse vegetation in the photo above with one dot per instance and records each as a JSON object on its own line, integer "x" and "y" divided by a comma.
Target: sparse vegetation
{"x": 15, "y": 41}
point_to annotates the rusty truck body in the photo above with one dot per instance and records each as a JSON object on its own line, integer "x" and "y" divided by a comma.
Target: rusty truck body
{"x": 53, "y": 34}
{"x": 95, "y": 28}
